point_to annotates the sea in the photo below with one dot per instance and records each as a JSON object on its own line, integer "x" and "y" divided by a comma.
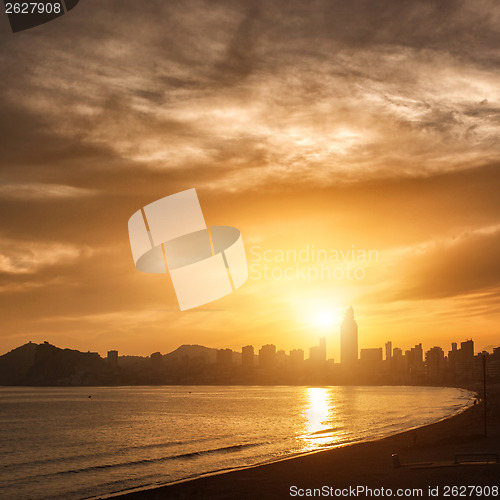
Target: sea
{"x": 84, "y": 442}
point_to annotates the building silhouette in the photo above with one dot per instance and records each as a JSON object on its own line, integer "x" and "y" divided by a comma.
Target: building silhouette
{"x": 388, "y": 351}
{"x": 349, "y": 340}
{"x": 224, "y": 357}
{"x": 435, "y": 364}
{"x": 415, "y": 361}
{"x": 247, "y": 356}
{"x": 371, "y": 355}
{"x": 281, "y": 357}
{"x": 317, "y": 353}
{"x": 452, "y": 358}
{"x": 465, "y": 360}
{"x": 397, "y": 361}
{"x": 467, "y": 349}
{"x": 112, "y": 359}
{"x": 267, "y": 356}
{"x": 156, "y": 361}
{"x": 297, "y": 356}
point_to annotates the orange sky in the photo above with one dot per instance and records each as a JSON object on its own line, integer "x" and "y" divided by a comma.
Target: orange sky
{"x": 331, "y": 125}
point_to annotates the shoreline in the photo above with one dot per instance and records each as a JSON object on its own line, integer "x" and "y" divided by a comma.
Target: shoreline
{"x": 346, "y": 465}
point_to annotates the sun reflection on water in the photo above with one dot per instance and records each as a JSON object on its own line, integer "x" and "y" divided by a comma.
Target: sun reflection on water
{"x": 322, "y": 426}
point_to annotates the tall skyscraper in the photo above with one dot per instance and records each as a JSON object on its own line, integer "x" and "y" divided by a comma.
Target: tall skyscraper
{"x": 388, "y": 351}
{"x": 349, "y": 339}
{"x": 465, "y": 360}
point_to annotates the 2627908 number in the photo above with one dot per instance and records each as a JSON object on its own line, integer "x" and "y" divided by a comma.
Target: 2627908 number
{"x": 33, "y": 8}
{"x": 470, "y": 491}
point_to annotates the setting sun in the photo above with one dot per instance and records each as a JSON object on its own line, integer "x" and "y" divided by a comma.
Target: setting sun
{"x": 326, "y": 319}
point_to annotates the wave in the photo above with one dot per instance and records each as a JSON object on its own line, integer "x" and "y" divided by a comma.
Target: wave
{"x": 66, "y": 458}
{"x": 325, "y": 431}
{"x": 182, "y": 456}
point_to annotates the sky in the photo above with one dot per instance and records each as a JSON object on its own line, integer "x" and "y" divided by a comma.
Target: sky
{"x": 367, "y": 132}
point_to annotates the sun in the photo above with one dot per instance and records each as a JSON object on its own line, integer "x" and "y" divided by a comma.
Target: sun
{"x": 317, "y": 313}
{"x": 325, "y": 318}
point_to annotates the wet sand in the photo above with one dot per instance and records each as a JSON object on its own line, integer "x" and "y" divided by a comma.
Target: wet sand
{"x": 368, "y": 465}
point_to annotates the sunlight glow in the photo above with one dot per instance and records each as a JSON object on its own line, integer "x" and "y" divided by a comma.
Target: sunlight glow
{"x": 325, "y": 319}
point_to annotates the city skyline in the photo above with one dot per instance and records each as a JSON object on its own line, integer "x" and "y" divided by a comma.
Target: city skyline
{"x": 48, "y": 365}
{"x": 318, "y": 352}
{"x": 348, "y": 334}
{"x": 188, "y": 364}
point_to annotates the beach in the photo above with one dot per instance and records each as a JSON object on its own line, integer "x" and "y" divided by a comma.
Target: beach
{"x": 426, "y": 455}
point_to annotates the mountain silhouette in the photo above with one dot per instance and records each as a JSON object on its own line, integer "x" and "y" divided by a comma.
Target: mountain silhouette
{"x": 45, "y": 364}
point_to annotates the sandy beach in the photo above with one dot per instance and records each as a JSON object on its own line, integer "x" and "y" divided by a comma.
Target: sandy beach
{"x": 427, "y": 457}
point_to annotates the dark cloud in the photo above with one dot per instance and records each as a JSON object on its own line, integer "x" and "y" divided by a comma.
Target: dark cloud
{"x": 240, "y": 59}
{"x": 467, "y": 265}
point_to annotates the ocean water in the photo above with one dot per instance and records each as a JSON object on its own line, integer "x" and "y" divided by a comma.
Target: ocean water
{"x": 59, "y": 443}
